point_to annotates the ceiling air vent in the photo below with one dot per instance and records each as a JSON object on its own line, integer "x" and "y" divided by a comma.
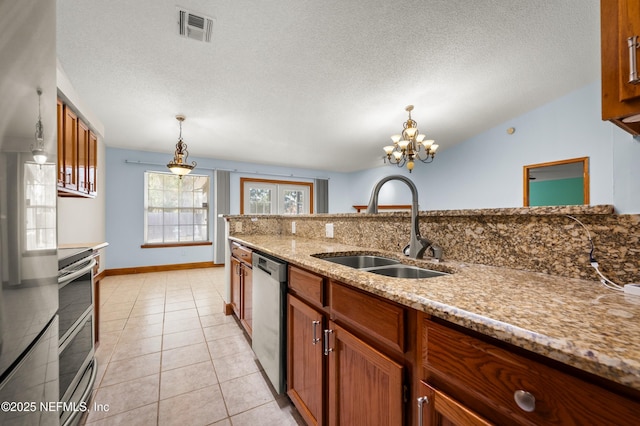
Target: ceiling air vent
{"x": 195, "y": 26}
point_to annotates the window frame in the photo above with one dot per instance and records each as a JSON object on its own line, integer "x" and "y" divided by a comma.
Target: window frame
{"x": 280, "y": 186}
{"x": 146, "y": 208}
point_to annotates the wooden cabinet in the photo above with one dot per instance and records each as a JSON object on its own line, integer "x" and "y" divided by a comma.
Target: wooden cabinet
{"x": 365, "y": 385}
{"x": 305, "y": 370}
{"x": 438, "y": 409}
{"x": 69, "y": 150}
{"x": 242, "y": 285}
{"x": 620, "y": 39}
{"x": 475, "y": 376}
{"x": 77, "y": 155}
{"x": 345, "y": 360}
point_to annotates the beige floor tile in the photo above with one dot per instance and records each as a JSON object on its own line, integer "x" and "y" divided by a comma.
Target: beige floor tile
{"x": 186, "y": 379}
{"x": 178, "y": 306}
{"x": 146, "y": 319}
{"x": 200, "y": 407}
{"x": 187, "y": 307}
{"x": 227, "y": 346}
{"x": 133, "y": 348}
{"x": 131, "y": 368}
{"x": 112, "y": 325}
{"x": 140, "y": 331}
{"x": 182, "y": 338}
{"x": 142, "y": 310}
{"x": 246, "y": 392}
{"x": 181, "y": 325}
{"x": 143, "y": 416}
{"x": 221, "y": 331}
{"x": 126, "y": 396}
{"x": 180, "y": 314}
{"x": 216, "y": 319}
{"x": 186, "y": 355}
{"x": 234, "y": 366}
{"x": 269, "y": 414}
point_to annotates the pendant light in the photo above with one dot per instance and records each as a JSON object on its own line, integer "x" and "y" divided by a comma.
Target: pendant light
{"x": 37, "y": 149}
{"x": 179, "y": 164}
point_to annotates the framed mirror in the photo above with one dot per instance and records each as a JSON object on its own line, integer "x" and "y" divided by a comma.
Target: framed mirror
{"x": 557, "y": 183}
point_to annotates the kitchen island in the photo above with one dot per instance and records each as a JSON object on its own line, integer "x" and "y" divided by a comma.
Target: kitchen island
{"x": 575, "y": 322}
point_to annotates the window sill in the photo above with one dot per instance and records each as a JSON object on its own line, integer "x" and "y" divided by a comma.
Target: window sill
{"x": 185, "y": 244}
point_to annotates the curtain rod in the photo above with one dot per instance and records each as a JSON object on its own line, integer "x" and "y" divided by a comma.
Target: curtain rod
{"x": 233, "y": 170}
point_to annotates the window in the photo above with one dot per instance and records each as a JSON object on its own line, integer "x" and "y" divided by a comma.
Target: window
{"x": 40, "y": 206}
{"x": 260, "y": 196}
{"x": 176, "y": 210}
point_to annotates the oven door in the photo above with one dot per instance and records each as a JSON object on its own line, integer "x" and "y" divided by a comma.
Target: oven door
{"x": 75, "y": 295}
{"x": 77, "y": 369}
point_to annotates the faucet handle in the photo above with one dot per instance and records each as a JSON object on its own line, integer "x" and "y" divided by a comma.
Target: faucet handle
{"x": 437, "y": 252}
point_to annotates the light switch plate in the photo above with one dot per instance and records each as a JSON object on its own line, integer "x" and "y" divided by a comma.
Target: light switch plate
{"x": 238, "y": 226}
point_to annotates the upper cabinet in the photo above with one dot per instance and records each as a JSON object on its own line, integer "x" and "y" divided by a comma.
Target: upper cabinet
{"x": 77, "y": 155}
{"x": 620, "y": 38}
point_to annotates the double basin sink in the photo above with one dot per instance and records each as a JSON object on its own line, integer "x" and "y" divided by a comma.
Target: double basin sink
{"x": 382, "y": 266}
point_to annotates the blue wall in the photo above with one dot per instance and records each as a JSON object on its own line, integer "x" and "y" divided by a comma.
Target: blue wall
{"x": 486, "y": 170}
{"x": 482, "y": 172}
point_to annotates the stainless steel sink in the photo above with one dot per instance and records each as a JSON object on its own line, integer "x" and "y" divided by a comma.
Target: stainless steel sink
{"x": 382, "y": 265}
{"x": 362, "y": 261}
{"x": 406, "y": 271}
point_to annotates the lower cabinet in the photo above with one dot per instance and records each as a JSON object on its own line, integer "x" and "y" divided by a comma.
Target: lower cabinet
{"x": 365, "y": 386}
{"x": 472, "y": 380}
{"x": 335, "y": 376}
{"x": 305, "y": 360}
{"x": 242, "y": 285}
{"x": 438, "y": 409}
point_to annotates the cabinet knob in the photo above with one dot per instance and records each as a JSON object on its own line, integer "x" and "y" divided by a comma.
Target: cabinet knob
{"x": 525, "y": 400}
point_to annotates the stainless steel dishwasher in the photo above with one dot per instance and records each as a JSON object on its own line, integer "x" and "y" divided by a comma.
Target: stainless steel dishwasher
{"x": 269, "y": 317}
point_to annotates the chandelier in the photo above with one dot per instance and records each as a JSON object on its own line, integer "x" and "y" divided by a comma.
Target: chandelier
{"x": 179, "y": 164}
{"x": 37, "y": 149}
{"x": 410, "y": 145}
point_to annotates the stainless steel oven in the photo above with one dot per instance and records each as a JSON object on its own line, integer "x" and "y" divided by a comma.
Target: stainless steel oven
{"x": 76, "y": 339}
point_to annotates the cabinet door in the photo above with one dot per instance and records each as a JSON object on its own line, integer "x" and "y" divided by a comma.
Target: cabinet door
{"x": 83, "y": 156}
{"x": 365, "y": 386}
{"x": 305, "y": 360}
{"x": 60, "y": 112}
{"x": 70, "y": 147}
{"x": 437, "y": 409}
{"x": 236, "y": 285}
{"x": 93, "y": 164}
{"x": 247, "y": 298}
{"x": 620, "y": 23}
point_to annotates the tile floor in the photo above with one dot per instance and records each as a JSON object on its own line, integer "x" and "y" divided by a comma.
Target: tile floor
{"x": 169, "y": 356}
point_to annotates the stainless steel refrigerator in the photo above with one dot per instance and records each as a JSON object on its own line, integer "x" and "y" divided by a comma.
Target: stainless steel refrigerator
{"x": 28, "y": 241}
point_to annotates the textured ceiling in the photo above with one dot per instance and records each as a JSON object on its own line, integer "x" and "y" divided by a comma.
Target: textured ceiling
{"x": 320, "y": 84}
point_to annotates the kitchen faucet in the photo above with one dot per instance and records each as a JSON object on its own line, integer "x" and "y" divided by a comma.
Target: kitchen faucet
{"x": 417, "y": 245}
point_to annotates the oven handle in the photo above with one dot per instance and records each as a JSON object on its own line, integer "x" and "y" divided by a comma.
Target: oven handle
{"x": 72, "y": 276}
{"x": 85, "y": 394}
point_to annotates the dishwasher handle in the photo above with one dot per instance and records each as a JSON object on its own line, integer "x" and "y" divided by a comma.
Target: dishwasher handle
{"x": 275, "y": 268}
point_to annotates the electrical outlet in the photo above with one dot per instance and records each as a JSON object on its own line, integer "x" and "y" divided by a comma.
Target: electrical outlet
{"x": 238, "y": 226}
{"x": 293, "y": 227}
{"x": 329, "y": 230}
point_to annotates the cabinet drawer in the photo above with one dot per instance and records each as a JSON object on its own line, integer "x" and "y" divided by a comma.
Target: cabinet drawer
{"x": 496, "y": 377}
{"x": 307, "y": 286}
{"x": 381, "y": 320}
{"x": 241, "y": 252}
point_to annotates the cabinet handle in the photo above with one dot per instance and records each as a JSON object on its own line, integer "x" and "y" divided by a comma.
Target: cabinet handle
{"x": 525, "y": 400}
{"x": 421, "y": 401}
{"x": 327, "y": 349}
{"x": 315, "y": 327}
{"x": 632, "y": 43}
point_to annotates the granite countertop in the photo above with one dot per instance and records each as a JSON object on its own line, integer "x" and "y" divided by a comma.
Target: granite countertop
{"x": 576, "y": 322}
